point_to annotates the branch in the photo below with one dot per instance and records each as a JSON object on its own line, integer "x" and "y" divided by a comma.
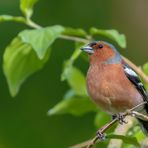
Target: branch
{"x": 83, "y": 40}
{"x": 140, "y": 116}
{"x": 92, "y": 142}
{"x": 73, "y": 38}
{"x": 32, "y": 24}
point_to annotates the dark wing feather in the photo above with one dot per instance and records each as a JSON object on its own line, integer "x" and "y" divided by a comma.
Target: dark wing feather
{"x": 133, "y": 77}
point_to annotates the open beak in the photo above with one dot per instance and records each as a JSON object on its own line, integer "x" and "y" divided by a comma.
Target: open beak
{"x": 88, "y": 49}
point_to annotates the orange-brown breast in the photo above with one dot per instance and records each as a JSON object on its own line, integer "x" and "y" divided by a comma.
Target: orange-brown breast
{"x": 110, "y": 89}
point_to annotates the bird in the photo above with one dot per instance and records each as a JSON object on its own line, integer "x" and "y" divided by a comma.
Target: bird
{"x": 112, "y": 84}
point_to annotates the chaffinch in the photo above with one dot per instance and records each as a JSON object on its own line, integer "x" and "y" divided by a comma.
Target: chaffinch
{"x": 112, "y": 84}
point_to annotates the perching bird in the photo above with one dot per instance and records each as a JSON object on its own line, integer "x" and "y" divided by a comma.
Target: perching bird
{"x": 112, "y": 84}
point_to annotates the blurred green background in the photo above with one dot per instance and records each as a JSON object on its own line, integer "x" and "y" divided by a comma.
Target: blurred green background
{"x": 23, "y": 120}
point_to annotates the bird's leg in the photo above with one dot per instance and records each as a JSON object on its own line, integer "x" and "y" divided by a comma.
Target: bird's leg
{"x": 102, "y": 130}
{"x": 121, "y": 118}
{"x": 114, "y": 116}
{"x": 100, "y": 135}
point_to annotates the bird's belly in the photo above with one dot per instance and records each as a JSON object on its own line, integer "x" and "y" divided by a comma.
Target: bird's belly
{"x": 114, "y": 102}
{"x": 112, "y": 94}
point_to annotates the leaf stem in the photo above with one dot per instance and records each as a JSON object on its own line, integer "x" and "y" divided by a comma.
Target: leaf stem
{"x": 7, "y": 18}
{"x": 32, "y": 24}
{"x": 73, "y": 38}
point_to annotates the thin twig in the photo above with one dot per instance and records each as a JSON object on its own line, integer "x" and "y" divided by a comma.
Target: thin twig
{"x": 73, "y": 38}
{"x": 32, "y": 24}
{"x": 114, "y": 121}
{"x": 92, "y": 142}
{"x": 140, "y": 116}
{"x": 101, "y": 130}
{"x": 135, "y": 107}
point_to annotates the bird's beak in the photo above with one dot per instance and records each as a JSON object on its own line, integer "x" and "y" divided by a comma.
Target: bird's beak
{"x": 88, "y": 49}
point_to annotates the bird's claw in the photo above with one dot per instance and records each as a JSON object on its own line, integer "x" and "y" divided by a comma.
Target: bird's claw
{"x": 121, "y": 119}
{"x": 100, "y": 135}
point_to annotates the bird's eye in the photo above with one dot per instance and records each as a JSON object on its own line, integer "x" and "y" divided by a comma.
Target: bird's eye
{"x": 100, "y": 46}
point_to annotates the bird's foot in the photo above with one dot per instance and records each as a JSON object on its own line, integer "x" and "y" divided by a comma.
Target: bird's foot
{"x": 121, "y": 118}
{"x": 114, "y": 116}
{"x": 100, "y": 135}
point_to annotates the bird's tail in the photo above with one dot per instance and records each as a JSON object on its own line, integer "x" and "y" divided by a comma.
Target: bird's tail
{"x": 144, "y": 125}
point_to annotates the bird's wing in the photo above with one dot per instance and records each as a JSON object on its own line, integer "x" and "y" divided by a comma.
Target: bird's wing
{"x": 134, "y": 78}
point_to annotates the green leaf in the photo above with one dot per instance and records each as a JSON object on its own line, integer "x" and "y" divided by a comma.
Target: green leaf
{"x": 41, "y": 39}
{"x": 69, "y": 63}
{"x": 4, "y": 18}
{"x": 26, "y": 7}
{"x": 19, "y": 62}
{"x": 120, "y": 39}
{"x": 72, "y": 104}
{"x": 32, "y": 43}
{"x": 125, "y": 145}
{"x": 126, "y": 139}
{"x": 139, "y": 135}
{"x": 75, "y": 78}
{"x": 75, "y": 32}
{"x": 145, "y": 68}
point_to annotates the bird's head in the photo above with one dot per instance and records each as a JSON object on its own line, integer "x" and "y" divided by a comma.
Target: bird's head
{"x": 102, "y": 52}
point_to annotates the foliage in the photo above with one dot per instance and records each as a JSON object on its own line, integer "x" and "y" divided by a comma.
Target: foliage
{"x": 112, "y": 34}
{"x": 73, "y": 104}
{"x": 30, "y": 49}
{"x": 145, "y": 69}
{"x": 126, "y": 139}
